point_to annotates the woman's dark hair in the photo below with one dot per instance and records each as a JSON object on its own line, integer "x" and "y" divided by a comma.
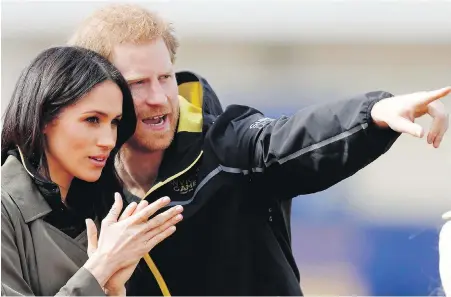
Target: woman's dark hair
{"x": 57, "y": 78}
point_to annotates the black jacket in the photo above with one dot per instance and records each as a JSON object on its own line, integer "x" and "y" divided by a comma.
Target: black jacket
{"x": 236, "y": 172}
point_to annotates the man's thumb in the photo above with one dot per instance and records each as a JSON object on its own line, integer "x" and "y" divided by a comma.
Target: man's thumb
{"x": 404, "y": 125}
{"x": 91, "y": 231}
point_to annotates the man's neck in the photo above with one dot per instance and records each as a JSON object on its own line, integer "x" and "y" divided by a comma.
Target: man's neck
{"x": 138, "y": 170}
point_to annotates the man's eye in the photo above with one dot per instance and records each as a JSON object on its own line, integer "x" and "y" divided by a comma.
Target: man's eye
{"x": 167, "y": 76}
{"x": 137, "y": 83}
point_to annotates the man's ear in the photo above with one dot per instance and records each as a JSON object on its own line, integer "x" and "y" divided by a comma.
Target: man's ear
{"x": 445, "y": 255}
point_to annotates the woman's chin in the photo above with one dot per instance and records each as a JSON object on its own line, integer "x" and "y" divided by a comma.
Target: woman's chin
{"x": 90, "y": 177}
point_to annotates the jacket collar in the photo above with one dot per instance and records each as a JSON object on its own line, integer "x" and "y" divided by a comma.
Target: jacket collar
{"x": 199, "y": 107}
{"x": 81, "y": 197}
{"x": 19, "y": 185}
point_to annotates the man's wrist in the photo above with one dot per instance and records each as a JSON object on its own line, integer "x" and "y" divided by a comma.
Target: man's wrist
{"x": 374, "y": 115}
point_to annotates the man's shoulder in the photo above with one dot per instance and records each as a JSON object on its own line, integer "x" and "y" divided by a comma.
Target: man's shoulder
{"x": 237, "y": 113}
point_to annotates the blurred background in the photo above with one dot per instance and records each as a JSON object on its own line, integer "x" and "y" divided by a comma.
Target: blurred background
{"x": 376, "y": 232}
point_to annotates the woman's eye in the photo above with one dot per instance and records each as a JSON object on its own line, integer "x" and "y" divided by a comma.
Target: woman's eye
{"x": 93, "y": 120}
{"x": 116, "y": 122}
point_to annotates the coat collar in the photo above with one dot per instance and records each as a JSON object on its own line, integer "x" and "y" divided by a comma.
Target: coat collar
{"x": 19, "y": 185}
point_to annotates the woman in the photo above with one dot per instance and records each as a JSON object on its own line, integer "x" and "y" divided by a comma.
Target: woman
{"x": 445, "y": 254}
{"x": 70, "y": 112}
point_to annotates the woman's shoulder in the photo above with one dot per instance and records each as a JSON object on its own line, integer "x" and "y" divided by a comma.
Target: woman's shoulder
{"x": 20, "y": 196}
{"x": 10, "y": 170}
{"x": 14, "y": 178}
{"x": 10, "y": 211}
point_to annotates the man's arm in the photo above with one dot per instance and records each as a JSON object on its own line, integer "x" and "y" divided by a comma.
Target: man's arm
{"x": 310, "y": 151}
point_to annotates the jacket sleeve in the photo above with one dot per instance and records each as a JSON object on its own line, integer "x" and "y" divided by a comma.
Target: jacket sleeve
{"x": 308, "y": 152}
{"x": 13, "y": 281}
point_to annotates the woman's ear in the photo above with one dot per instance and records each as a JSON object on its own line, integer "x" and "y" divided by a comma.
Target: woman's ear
{"x": 445, "y": 254}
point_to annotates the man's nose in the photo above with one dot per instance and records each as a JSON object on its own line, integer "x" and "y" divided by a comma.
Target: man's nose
{"x": 157, "y": 96}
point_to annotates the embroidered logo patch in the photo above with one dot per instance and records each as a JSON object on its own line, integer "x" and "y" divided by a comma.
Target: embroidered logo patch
{"x": 184, "y": 186}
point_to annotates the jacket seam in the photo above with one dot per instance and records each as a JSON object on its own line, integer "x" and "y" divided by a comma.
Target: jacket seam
{"x": 320, "y": 144}
{"x": 300, "y": 152}
{"x": 290, "y": 157}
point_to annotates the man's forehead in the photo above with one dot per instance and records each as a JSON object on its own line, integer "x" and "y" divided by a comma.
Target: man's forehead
{"x": 137, "y": 61}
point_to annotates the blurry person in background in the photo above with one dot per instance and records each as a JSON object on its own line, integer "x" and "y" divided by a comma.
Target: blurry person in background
{"x": 234, "y": 171}
{"x": 70, "y": 113}
{"x": 445, "y": 254}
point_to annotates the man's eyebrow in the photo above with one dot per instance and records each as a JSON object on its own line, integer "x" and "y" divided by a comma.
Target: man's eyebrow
{"x": 135, "y": 78}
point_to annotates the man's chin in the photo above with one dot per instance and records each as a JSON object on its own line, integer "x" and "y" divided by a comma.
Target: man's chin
{"x": 150, "y": 143}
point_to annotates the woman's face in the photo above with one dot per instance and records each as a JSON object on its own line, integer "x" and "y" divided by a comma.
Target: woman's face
{"x": 82, "y": 136}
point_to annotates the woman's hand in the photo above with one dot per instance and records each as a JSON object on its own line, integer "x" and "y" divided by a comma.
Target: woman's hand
{"x": 124, "y": 241}
{"x": 116, "y": 284}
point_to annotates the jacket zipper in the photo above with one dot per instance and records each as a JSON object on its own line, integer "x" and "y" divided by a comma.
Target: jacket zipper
{"x": 162, "y": 183}
{"x": 150, "y": 263}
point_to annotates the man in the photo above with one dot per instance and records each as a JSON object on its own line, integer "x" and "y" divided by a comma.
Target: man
{"x": 235, "y": 172}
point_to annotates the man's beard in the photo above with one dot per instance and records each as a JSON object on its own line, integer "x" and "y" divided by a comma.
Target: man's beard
{"x": 146, "y": 145}
{"x": 150, "y": 142}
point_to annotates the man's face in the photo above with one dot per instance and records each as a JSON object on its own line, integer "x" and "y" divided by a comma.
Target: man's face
{"x": 149, "y": 71}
